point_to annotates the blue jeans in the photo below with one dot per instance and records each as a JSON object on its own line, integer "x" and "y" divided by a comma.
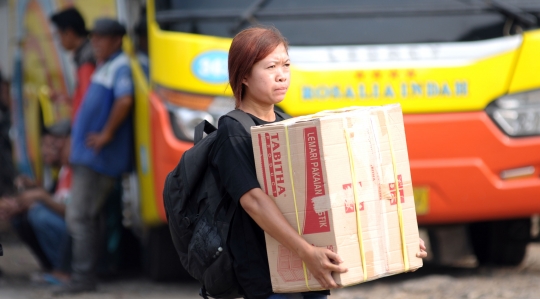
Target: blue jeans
{"x": 298, "y": 296}
{"x": 51, "y": 232}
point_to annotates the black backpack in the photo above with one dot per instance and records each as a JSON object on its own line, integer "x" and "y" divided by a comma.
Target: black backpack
{"x": 199, "y": 219}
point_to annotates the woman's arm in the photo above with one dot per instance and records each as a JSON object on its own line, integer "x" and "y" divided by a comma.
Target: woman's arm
{"x": 321, "y": 262}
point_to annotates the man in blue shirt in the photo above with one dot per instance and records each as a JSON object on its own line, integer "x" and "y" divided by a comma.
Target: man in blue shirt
{"x": 101, "y": 150}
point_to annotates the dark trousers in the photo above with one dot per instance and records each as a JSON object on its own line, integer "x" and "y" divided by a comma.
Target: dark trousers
{"x": 84, "y": 217}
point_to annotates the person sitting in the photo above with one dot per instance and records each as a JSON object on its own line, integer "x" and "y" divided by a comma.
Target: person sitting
{"x": 38, "y": 215}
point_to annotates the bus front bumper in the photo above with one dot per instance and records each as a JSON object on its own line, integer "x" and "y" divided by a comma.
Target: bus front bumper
{"x": 458, "y": 161}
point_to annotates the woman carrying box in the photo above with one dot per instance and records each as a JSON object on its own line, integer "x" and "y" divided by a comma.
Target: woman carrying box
{"x": 259, "y": 75}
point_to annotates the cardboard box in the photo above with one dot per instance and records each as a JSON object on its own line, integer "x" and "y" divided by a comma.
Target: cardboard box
{"x": 312, "y": 166}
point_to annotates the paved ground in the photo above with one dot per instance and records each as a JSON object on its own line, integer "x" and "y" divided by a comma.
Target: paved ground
{"x": 522, "y": 282}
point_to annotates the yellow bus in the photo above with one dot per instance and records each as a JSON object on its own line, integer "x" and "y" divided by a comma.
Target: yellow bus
{"x": 464, "y": 72}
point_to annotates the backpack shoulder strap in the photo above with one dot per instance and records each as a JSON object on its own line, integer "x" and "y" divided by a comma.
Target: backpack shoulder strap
{"x": 242, "y": 117}
{"x": 203, "y": 127}
{"x": 282, "y": 114}
{"x": 246, "y": 121}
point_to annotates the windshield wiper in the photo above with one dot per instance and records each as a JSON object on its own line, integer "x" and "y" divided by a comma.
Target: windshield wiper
{"x": 248, "y": 15}
{"x": 254, "y": 13}
{"x": 513, "y": 12}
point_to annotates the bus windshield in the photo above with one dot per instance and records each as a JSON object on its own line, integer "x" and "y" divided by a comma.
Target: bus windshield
{"x": 347, "y": 22}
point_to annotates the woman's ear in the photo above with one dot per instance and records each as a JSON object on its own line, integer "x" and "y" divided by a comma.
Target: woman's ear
{"x": 244, "y": 81}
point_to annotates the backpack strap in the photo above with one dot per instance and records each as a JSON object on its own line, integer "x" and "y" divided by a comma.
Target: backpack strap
{"x": 239, "y": 115}
{"x": 282, "y": 114}
{"x": 228, "y": 216}
{"x": 243, "y": 118}
{"x": 246, "y": 121}
{"x": 203, "y": 126}
{"x": 203, "y": 293}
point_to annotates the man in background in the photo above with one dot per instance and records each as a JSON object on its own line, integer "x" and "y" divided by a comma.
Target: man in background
{"x": 7, "y": 170}
{"x": 37, "y": 213}
{"x": 74, "y": 37}
{"x": 141, "y": 31}
{"x": 101, "y": 150}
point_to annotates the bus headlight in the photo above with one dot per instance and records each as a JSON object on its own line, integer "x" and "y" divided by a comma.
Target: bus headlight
{"x": 187, "y": 110}
{"x": 184, "y": 121}
{"x": 517, "y": 114}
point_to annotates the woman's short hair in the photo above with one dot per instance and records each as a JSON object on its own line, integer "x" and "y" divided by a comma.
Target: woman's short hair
{"x": 249, "y": 47}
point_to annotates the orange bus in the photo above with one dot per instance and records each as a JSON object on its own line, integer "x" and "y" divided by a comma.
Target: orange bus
{"x": 463, "y": 72}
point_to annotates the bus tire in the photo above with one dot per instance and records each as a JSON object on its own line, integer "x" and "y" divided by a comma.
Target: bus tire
{"x": 500, "y": 243}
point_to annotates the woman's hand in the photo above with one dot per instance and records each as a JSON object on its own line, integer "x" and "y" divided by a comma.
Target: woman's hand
{"x": 422, "y": 254}
{"x": 321, "y": 262}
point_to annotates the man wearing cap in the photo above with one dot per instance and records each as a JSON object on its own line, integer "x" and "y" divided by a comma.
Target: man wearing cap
{"x": 101, "y": 150}
{"x": 74, "y": 37}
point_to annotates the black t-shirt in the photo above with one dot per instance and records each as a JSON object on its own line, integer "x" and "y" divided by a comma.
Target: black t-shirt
{"x": 233, "y": 158}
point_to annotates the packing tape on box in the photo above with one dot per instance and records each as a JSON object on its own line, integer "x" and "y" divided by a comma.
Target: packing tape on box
{"x": 387, "y": 133}
{"x": 356, "y": 198}
{"x": 387, "y": 191}
{"x": 356, "y": 203}
{"x": 289, "y": 161}
{"x": 398, "y": 195}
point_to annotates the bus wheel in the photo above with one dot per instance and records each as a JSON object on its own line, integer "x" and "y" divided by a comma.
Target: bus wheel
{"x": 500, "y": 243}
{"x": 161, "y": 260}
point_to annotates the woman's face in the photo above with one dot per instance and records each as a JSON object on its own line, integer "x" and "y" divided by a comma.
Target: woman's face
{"x": 269, "y": 78}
